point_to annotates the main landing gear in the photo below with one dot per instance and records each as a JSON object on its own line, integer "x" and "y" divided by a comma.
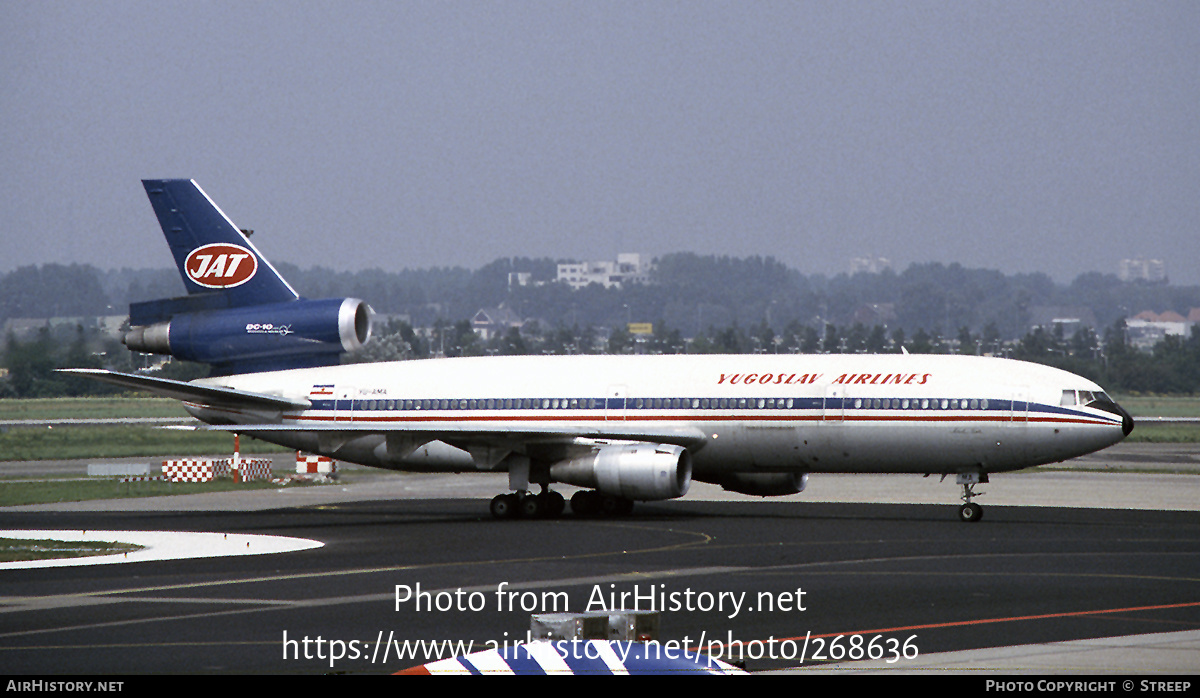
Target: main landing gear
{"x": 527, "y": 505}
{"x": 551, "y": 505}
{"x": 970, "y": 511}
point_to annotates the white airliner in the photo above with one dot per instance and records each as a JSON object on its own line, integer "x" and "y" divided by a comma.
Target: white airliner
{"x": 628, "y": 428}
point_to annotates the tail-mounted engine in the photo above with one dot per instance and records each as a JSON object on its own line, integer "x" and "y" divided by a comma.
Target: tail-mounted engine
{"x": 274, "y": 336}
{"x": 640, "y": 471}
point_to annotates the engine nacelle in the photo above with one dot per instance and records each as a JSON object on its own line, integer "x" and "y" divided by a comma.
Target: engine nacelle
{"x": 273, "y": 336}
{"x": 764, "y": 484}
{"x": 641, "y": 471}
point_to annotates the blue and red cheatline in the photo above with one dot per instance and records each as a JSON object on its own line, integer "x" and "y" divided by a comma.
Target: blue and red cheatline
{"x": 578, "y": 657}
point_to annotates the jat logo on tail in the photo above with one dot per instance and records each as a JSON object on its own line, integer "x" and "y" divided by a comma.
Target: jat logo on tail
{"x": 221, "y": 265}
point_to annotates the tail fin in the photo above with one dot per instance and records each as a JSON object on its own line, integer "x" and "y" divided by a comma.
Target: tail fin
{"x": 212, "y": 255}
{"x": 240, "y": 315}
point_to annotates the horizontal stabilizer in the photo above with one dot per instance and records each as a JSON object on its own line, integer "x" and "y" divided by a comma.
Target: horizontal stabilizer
{"x": 191, "y": 392}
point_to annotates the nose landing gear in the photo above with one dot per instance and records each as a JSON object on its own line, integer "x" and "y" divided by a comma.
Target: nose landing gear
{"x": 970, "y": 511}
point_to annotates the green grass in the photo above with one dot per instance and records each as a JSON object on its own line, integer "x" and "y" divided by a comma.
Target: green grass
{"x": 20, "y": 549}
{"x": 118, "y": 441}
{"x": 1164, "y": 433}
{"x": 15, "y": 493}
{"x": 1161, "y": 406}
{"x": 90, "y": 408}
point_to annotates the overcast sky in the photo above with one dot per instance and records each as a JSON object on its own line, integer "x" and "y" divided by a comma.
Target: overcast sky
{"x": 1022, "y": 136}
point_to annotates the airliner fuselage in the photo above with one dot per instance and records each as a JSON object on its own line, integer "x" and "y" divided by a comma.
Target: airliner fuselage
{"x": 735, "y": 413}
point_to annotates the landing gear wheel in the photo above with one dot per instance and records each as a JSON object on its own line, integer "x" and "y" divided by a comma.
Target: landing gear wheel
{"x": 584, "y": 502}
{"x": 504, "y": 506}
{"x": 532, "y": 506}
{"x": 970, "y": 512}
{"x": 554, "y": 505}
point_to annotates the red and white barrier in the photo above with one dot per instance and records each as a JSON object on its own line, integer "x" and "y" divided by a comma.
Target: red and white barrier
{"x": 241, "y": 469}
{"x": 188, "y": 470}
{"x": 306, "y": 463}
{"x": 248, "y": 469}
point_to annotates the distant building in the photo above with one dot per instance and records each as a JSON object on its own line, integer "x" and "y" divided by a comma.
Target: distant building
{"x": 1071, "y": 319}
{"x": 1151, "y": 270}
{"x": 628, "y": 269}
{"x": 495, "y": 322}
{"x": 1148, "y": 328}
{"x": 520, "y": 278}
{"x": 869, "y": 265}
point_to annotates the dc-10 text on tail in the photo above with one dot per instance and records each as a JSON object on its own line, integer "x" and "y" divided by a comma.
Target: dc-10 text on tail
{"x": 627, "y": 428}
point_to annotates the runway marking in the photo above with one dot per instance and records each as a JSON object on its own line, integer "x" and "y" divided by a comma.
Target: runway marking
{"x": 1010, "y": 619}
{"x": 158, "y": 545}
{"x": 704, "y": 539}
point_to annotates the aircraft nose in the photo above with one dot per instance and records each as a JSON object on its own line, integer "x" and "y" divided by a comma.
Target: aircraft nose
{"x": 1126, "y": 420}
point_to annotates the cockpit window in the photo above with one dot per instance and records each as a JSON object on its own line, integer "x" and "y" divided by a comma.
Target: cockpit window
{"x": 1084, "y": 397}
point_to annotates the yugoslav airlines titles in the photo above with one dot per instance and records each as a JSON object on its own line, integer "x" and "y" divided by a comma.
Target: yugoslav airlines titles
{"x": 810, "y": 378}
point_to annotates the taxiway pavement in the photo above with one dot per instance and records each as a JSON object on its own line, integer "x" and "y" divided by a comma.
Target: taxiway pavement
{"x": 1065, "y": 566}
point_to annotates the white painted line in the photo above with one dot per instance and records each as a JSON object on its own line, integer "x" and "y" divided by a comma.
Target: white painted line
{"x": 159, "y": 545}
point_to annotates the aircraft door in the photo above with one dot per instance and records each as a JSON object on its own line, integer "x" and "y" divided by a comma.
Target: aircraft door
{"x": 1019, "y": 412}
{"x": 614, "y": 403}
{"x": 833, "y": 409}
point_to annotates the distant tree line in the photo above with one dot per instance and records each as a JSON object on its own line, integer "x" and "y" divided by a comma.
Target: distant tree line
{"x": 689, "y": 292}
{"x": 1172, "y": 368}
{"x": 697, "y": 304}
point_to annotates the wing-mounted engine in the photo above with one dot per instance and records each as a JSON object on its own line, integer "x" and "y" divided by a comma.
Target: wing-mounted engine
{"x": 292, "y": 334}
{"x": 637, "y": 471}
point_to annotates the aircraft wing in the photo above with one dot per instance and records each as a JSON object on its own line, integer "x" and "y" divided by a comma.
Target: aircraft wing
{"x": 191, "y": 392}
{"x": 460, "y": 433}
{"x": 483, "y": 431}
